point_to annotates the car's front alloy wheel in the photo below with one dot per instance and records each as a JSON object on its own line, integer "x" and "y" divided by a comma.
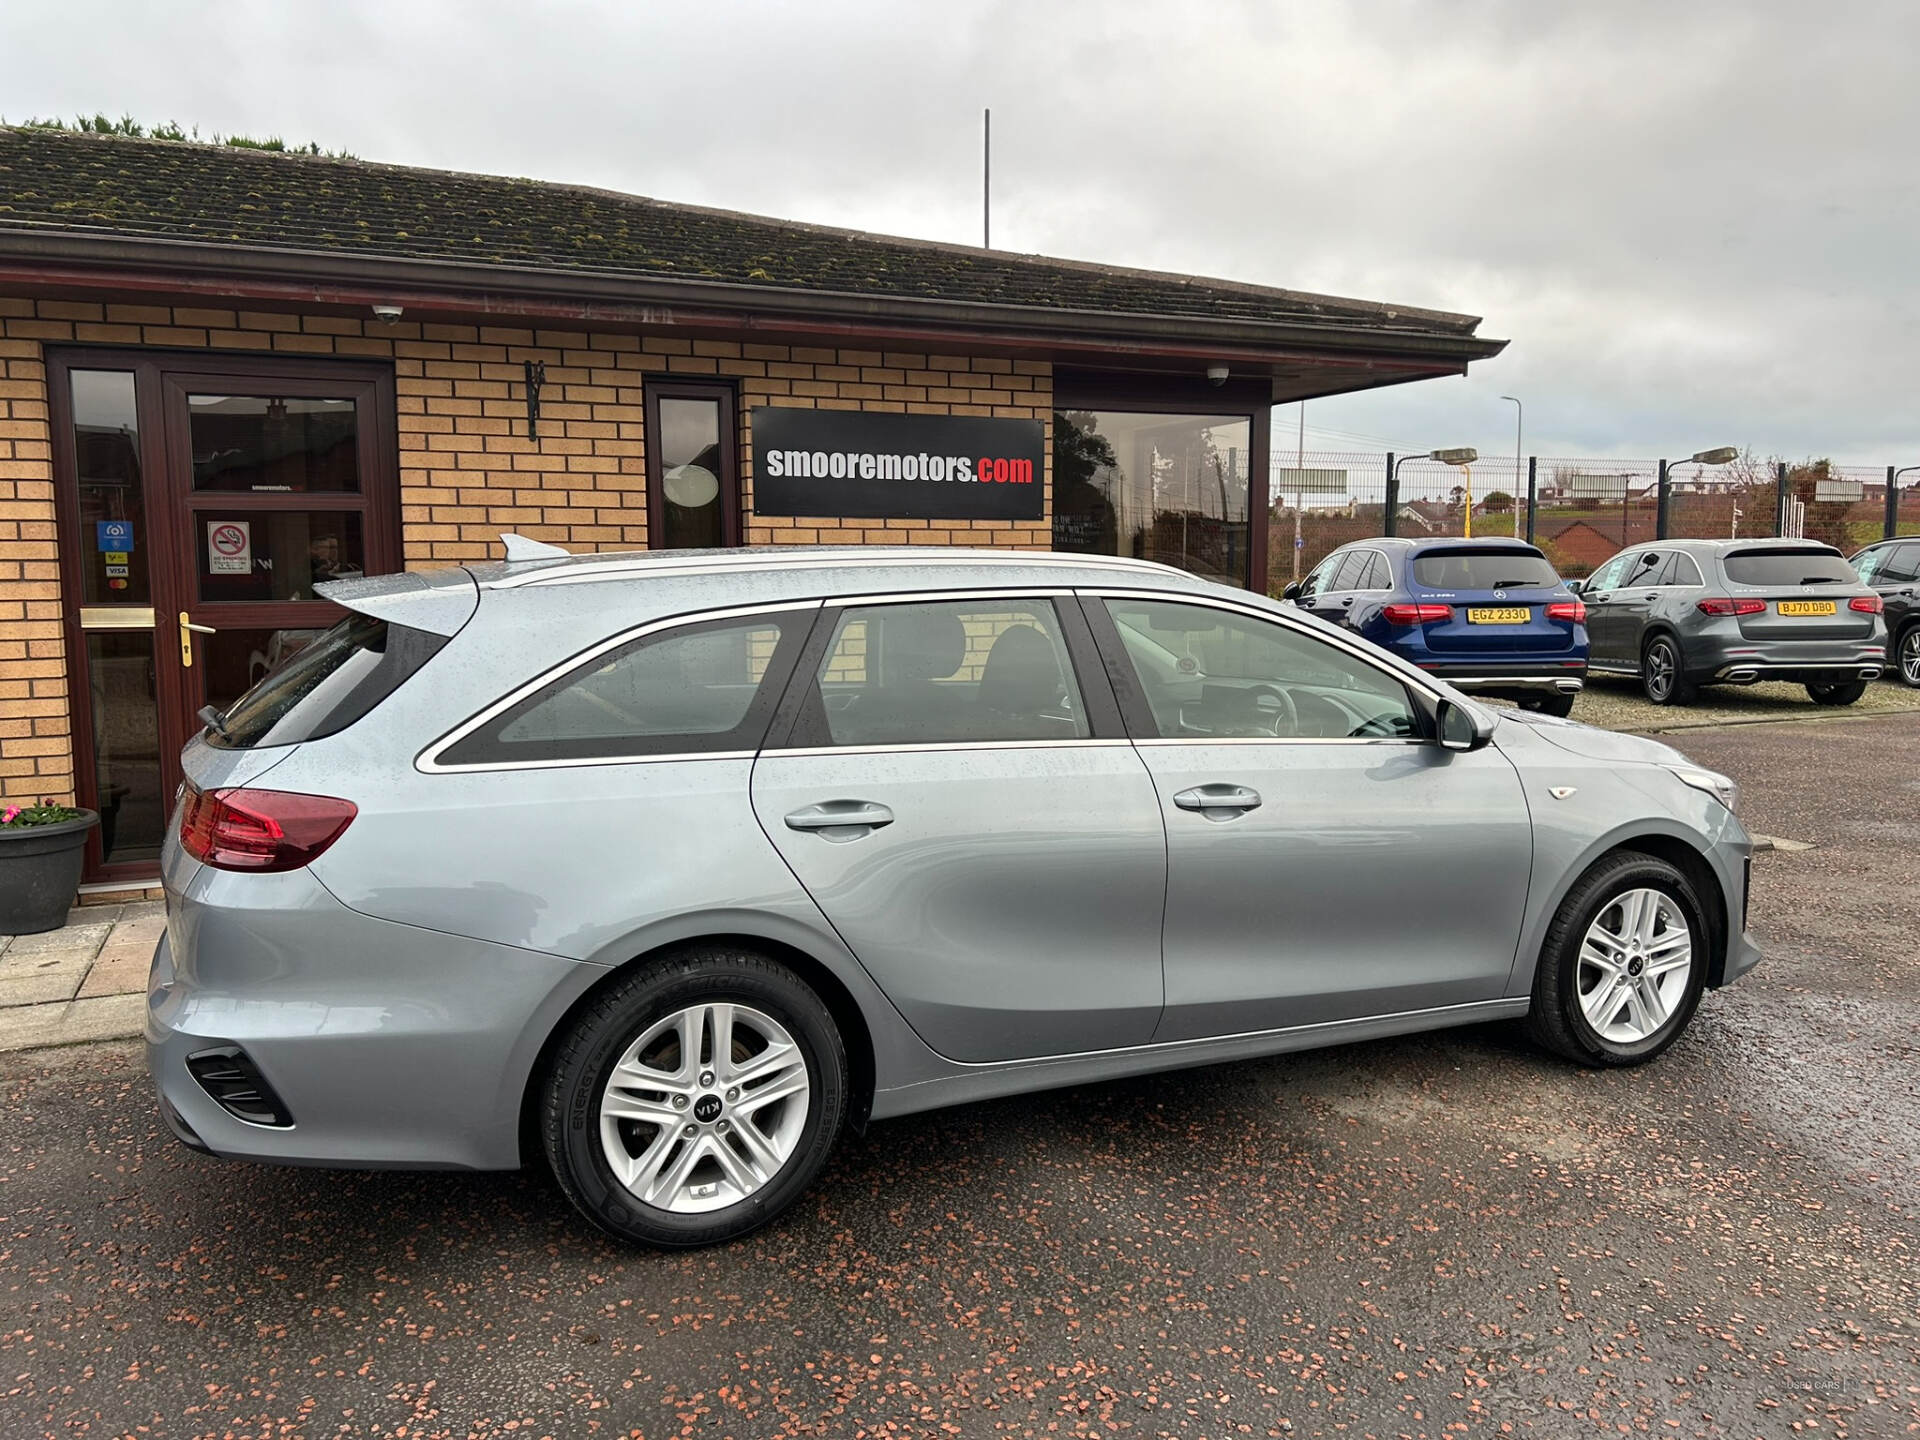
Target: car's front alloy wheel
{"x": 1624, "y": 963}
{"x": 694, "y": 1100}
{"x": 1663, "y": 673}
{"x": 1907, "y": 656}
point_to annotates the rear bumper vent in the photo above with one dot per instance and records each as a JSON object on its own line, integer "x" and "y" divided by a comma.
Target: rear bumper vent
{"x": 235, "y": 1084}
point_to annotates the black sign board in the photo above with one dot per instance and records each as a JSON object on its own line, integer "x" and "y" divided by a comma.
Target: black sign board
{"x": 908, "y": 467}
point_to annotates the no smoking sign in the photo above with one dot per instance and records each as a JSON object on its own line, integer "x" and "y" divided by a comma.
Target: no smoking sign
{"x": 229, "y": 547}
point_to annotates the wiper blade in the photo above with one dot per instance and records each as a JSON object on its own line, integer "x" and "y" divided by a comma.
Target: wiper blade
{"x": 1504, "y": 584}
{"x": 214, "y": 721}
{"x": 1819, "y": 580}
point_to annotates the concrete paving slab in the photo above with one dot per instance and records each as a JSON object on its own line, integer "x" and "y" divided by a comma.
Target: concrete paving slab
{"x": 108, "y": 1017}
{"x": 68, "y": 937}
{"x": 118, "y": 971}
{"x": 35, "y": 977}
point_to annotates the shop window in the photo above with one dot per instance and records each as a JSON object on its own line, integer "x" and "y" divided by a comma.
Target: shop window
{"x": 1167, "y": 487}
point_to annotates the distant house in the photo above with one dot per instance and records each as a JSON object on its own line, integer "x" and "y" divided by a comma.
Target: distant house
{"x": 1577, "y": 545}
{"x": 1431, "y": 516}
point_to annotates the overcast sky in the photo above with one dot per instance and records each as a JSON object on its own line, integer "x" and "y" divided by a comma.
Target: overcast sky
{"x": 1698, "y": 224}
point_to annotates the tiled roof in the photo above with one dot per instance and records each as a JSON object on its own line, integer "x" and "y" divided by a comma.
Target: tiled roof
{"x": 114, "y": 187}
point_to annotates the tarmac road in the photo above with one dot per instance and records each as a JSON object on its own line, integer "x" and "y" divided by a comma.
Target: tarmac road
{"x": 1434, "y": 1236}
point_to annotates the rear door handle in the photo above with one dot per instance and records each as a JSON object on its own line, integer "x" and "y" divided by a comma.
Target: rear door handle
{"x": 841, "y": 819}
{"x": 1218, "y": 802}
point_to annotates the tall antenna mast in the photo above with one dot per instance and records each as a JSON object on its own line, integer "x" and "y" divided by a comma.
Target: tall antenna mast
{"x": 986, "y": 179}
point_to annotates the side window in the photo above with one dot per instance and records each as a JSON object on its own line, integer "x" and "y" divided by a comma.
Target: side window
{"x": 1211, "y": 674}
{"x": 1318, "y": 577}
{"x": 1347, "y": 576}
{"x": 1373, "y": 575}
{"x": 708, "y": 686}
{"x": 1901, "y": 566}
{"x": 1645, "y": 569}
{"x": 1607, "y": 577}
{"x": 1683, "y": 571}
{"x": 947, "y": 672}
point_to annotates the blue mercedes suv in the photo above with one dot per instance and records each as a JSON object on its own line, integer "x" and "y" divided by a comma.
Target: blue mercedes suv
{"x": 1489, "y": 616}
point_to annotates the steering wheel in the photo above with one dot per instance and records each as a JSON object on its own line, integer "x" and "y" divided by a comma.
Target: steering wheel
{"x": 1275, "y": 709}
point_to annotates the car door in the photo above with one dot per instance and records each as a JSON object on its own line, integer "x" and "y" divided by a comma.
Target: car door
{"x": 958, "y": 796}
{"x": 1894, "y": 571}
{"x": 1325, "y": 860}
{"x": 1334, "y": 598}
{"x": 1607, "y": 615}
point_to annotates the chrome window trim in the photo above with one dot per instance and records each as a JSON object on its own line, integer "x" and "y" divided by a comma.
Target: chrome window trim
{"x": 427, "y": 762}
{"x": 939, "y": 746}
{"x": 1161, "y": 742}
{"x": 914, "y": 597}
{"x": 1699, "y": 582}
{"x": 873, "y": 558}
{"x": 1337, "y": 639}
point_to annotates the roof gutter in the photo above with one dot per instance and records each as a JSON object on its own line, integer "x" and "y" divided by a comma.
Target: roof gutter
{"x": 295, "y": 276}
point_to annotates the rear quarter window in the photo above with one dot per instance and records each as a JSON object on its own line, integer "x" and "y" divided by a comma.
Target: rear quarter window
{"x": 1788, "y": 567}
{"x": 327, "y": 686}
{"x": 1490, "y": 569}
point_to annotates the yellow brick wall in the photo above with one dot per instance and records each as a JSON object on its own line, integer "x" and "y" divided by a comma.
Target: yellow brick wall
{"x": 467, "y": 469}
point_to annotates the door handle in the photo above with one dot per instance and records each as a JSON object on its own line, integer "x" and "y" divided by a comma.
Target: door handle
{"x": 840, "y": 820}
{"x": 1218, "y": 802}
{"x": 187, "y": 631}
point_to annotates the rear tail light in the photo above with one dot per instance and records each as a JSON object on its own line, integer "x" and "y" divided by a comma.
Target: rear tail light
{"x": 261, "y": 830}
{"x": 1573, "y": 610}
{"x": 1867, "y": 604}
{"x": 1720, "y": 605}
{"x": 1416, "y": 614}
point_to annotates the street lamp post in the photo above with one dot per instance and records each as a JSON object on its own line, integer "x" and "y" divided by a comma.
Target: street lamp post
{"x": 1719, "y": 456}
{"x": 1519, "y": 419}
{"x": 1462, "y": 456}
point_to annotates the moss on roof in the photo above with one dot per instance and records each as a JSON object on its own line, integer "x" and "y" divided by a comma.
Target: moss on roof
{"x": 172, "y": 190}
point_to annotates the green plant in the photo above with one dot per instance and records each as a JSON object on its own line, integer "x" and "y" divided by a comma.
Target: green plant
{"x": 20, "y": 817}
{"x": 127, "y": 125}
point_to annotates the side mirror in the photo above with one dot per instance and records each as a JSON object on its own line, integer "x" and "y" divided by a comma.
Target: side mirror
{"x": 1576, "y": 586}
{"x": 1292, "y": 592}
{"x": 1461, "y": 728}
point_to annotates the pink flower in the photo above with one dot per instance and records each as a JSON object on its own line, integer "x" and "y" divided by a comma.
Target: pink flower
{"x": 11, "y": 814}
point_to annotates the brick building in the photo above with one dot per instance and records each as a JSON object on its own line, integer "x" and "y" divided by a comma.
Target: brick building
{"x": 227, "y": 375}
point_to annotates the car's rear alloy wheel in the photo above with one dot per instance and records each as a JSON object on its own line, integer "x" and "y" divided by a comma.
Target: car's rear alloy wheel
{"x": 694, "y": 1100}
{"x": 1908, "y": 656}
{"x": 1663, "y": 673}
{"x": 1624, "y": 963}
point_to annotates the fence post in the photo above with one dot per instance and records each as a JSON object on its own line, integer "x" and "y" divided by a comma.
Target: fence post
{"x": 1533, "y": 492}
{"x": 1660, "y": 498}
{"x": 1780, "y": 499}
{"x": 1390, "y": 527}
{"x": 1892, "y": 526}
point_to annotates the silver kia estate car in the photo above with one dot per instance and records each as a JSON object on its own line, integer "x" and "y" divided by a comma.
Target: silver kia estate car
{"x": 665, "y": 869}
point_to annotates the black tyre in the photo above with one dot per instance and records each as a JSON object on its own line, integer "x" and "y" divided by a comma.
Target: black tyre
{"x": 695, "y": 1099}
{"x": 1906, "y": 656}
{"x": 1623, "y": 965}
{"x": 1844, "y": 693}
{"x": 1663, "y": 673}
{"x": 1561, "y": 705}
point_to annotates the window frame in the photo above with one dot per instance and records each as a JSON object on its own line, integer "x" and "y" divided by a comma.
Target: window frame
{"x": 744, "y": 741}
{"x": 1673, "y": 580}
{"x": 1137, "y": 712}
{"x": 800, "y": 722}
{"x": 1625, "y": 560}
{"x": 727, "y": 398}
{"x": 1899, "y": 552}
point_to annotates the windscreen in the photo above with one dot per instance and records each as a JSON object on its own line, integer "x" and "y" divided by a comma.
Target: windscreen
{"x": 327, "y": 686}
{"x": 1771, "y": 568}
{"x": 1489, "y": 569}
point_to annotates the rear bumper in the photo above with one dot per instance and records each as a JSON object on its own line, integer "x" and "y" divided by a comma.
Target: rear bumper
{"x": 388, "y": 1045}
{"x": 1739, "y": 661}
{"x": 1511, "y": 681}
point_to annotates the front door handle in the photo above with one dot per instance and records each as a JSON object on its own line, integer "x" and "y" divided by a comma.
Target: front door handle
{"x": 187, "y": 631}
{"x": 1218, "y": 802}
{"x": 840, "y": 820}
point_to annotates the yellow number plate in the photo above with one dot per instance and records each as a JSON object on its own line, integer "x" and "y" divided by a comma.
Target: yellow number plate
{"x": 1499, "y": 615}
{"x": 1807, "y": 607}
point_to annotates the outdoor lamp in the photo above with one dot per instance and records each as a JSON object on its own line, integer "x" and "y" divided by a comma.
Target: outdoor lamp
{"x": 1722, "y": 456}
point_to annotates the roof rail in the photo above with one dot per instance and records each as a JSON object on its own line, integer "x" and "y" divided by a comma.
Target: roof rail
{"x": 612, "y": 567}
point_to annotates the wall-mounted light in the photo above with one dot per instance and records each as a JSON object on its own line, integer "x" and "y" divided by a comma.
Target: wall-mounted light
{"x": 1217, "y": 375}
{"x": 388, "y": 313}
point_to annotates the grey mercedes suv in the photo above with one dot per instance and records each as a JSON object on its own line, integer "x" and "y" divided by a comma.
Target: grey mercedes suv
{"x": 666, "y": 869}
{"x": 1680, "y": 614}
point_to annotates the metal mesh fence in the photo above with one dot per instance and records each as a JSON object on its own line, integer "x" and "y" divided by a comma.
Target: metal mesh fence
{"x": 1584, "y": 510}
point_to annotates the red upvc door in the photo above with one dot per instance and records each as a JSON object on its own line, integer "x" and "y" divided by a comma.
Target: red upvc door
{"x": 201, "y": 498}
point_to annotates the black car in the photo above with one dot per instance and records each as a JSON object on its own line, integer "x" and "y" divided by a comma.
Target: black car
{"x": 1680, "y": 614}
{"x": 1892, "y": 568}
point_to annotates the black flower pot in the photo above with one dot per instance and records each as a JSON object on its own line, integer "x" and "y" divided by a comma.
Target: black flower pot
{"x": 40, "y": 873}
